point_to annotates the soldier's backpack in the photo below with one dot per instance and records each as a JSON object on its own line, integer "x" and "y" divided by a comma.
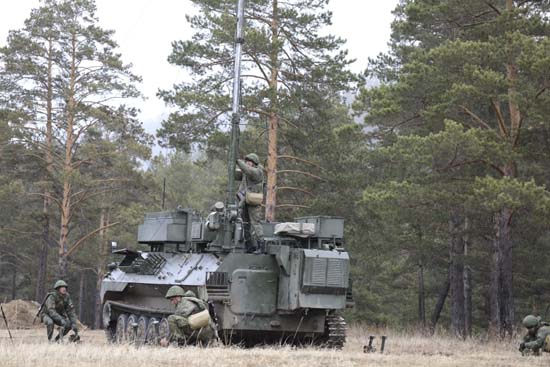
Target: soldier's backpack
{"x": 199, "y": 319}
{"x": 546, "y": 347}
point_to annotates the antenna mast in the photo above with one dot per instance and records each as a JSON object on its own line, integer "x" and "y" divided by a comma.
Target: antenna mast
{"x": 235, "y": 117}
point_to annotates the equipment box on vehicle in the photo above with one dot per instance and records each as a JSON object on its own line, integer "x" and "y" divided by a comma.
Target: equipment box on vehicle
{"x": 325, "y": 226}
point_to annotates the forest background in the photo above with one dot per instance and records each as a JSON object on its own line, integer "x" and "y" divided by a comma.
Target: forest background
{"x": 436, "y": 155}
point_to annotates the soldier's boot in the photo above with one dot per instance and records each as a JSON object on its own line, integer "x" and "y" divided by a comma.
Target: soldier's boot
{"x": 260, "y": 247}
{"x": 74, "y": 338}
{"x": 49, "y": 331}
{"x": 251, "y": 246}
{"x": 66, "y": 330}
{"x": 63, "y": 330}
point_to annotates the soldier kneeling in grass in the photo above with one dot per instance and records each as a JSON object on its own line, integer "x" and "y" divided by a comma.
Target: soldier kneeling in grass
{"x": 58, "y": 309}
{"x": 183, "y": 329}
{"x": 537, "y": 338}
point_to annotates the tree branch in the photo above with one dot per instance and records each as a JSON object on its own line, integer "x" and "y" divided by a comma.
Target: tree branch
{"x": 298, "y": 159}
{"x": 292, "y": 206}
{"x": 475, "y": 117}
{"x": 500, "y": 118}
{"x": 81, "y": 240}
{"x": 493, "y": 7}
{"x": 474, "y": 161}
{"x": 295, "y": 189}
{"x": 302, "y": 173}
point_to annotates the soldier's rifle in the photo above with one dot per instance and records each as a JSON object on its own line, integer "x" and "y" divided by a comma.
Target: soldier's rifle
{"x": 6, "y": 322}
{"x": 41, "y": 307}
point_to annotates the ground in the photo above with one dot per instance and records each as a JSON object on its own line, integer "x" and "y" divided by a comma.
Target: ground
{"x": 30, "y": 348}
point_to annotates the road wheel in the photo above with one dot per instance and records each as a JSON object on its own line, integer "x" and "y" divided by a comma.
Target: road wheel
{"x": 164, "y": 329}
{"x": 141, "y": 332}
{"x": 121, "y": 335}
{"x": 131, "y": 329}
{"x": 152, "y": 337}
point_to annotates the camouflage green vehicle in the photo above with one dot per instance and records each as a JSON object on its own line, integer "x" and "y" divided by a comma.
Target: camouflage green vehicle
{"x": 292, "y": 290}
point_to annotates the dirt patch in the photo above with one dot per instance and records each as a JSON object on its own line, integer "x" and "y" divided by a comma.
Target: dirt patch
{"x": 20, "y": 314}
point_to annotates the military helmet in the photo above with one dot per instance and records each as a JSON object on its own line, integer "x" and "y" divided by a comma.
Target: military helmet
{"x": 530, "y": 321}
{"x": 190, "y": 294}
{"x": 252, "y": 157}
{"x": 174, "y": 291}
{"x": 59, "y": 284}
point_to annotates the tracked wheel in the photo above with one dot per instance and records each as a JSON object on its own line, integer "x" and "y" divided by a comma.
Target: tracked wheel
{"x": 164, "y": 329}
{"x": 131, "y": 329}
{"x": 141, "y": 331}
{"x": 334, "y": 336}
{"x": 108, "y": 324}
{"x": 152, "y": 334}
{"x": 121, "y": 335}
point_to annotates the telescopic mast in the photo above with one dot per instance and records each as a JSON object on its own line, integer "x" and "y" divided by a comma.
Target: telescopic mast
{"x": 235, "y": 117}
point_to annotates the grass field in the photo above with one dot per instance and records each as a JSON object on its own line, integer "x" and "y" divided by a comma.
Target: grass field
{"x": 30, "y": 349}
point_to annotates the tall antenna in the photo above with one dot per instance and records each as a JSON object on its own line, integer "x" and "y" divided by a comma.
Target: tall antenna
{"x": 163, "y": 191}
{"x": 235, "y": 117}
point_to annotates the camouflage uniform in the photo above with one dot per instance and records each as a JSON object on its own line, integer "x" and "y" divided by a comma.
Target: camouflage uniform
{"x": 253, "y": 179}
{"x": 59, "y": 310}
{"x": 180, "y": 330}
{"x": 537, "y": 338}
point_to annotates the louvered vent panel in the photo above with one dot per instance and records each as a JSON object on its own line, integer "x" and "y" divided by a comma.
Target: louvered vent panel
{"x": 335, "y": 272}
{"x": 319, "y": 272}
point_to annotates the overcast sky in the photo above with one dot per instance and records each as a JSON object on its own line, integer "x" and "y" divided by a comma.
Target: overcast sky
{"x": 145, "y": 29}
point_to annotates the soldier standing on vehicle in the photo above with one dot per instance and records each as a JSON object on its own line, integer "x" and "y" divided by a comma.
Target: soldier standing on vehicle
{"x": 58, "y": 310}
{"x": 181, "y": 331}
{"x": 537, "y": 338}
{"x": 250, "y": 197}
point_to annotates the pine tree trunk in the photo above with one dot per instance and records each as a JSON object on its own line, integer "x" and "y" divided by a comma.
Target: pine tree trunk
{"x": 468, "y": 301}
{"x": 102, "y": 265}
{"x": 271, "y": 200}
{"x": 14, "y": 280}
{"x": 81, "y": 293}
{"x": 467, "y": 283}
{"x": 421, "y": 298}
{"x": 457, "y": 276}
{"x": 40, "y": 290}
{"x": 502, "y": 302}
{"x": 67, "y": 169}
{"x": 46, "y": 240}
{"x": 439, "y": 304}
{"x": 501, "y": 288}
{"x": 272, "y": 155}
{"x": 495, "y": 290}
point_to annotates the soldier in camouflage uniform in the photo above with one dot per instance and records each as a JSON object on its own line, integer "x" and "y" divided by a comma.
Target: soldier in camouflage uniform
{"x": 537, "y": 338}
{"x": 187, "y": 304}
{"x": 59, "y": 310}
{"x": 253, "y": 181}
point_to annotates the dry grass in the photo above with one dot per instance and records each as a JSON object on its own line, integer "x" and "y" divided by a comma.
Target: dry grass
{"x": 31, "y": 349}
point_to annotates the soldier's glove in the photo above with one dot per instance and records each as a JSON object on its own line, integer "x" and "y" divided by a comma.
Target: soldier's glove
{"x": 522, "y": 347}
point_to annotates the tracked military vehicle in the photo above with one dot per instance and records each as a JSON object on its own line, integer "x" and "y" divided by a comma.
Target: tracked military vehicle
{"x": 292, "y": 290}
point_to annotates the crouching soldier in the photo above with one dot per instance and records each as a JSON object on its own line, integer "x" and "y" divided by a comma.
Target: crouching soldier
{"x": 183, "y": 330}
{"x": 537, "y": 338}
{"x": 58, "y": 309}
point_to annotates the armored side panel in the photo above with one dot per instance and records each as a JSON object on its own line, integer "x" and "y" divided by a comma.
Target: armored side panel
{"x": 254, "y": 292}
